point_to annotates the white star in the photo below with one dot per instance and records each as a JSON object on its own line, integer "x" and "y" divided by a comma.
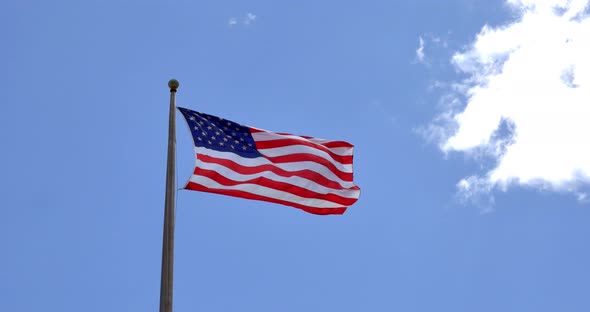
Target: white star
{"x": 209, "y": 128}
{"x": 192, "y": 118}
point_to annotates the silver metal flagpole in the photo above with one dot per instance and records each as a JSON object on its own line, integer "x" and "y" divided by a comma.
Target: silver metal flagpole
{"x": 168, "y": 239}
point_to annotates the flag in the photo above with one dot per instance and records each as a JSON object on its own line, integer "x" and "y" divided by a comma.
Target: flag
{"x": 311, "y": 174}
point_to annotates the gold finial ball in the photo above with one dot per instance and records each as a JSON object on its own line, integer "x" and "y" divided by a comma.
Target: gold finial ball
{"x": 173, "y": 84}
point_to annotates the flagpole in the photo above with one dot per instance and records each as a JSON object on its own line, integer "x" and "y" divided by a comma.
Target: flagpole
{"x": 168, "y": 236}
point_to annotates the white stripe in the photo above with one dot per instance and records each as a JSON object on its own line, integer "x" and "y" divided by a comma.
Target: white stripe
{"x": 267, "y": 192}
{"x": 290, "y": 167}
{"x": 342, "y": 151}
{"x": 302, "y": 149}
{"x": 266, "y": 136}
{"x": 296, "y": 180}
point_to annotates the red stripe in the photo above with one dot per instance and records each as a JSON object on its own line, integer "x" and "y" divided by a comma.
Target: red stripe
{"x": 346, "y": 160}
{"x": 291, "y": 158}
{"x": 306, "y": 174}
{"x": 254, "y": 130}
{"x": 319, "y": 211}
{"x": 333, "y": 144}
{"x": 282, "y": 186}
{"x": 328, "y": 144}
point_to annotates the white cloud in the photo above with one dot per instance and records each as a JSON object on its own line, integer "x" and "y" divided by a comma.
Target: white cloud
{"x": 248, "y": 19}
{"x": 526, "y": 99}
{"x": 420, "y": 50}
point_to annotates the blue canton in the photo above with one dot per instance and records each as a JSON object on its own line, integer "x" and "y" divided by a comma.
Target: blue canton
{"x": 219, "y": 134}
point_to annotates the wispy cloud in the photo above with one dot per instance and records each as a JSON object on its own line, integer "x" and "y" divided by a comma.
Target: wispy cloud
{"x": 420, "y": 50}
{"x": 430, "y": 43}
{"x": 525, "y": 103}
{"x": 248, "y": 19}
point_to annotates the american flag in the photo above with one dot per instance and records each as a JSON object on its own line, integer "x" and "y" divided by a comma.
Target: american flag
{"x": 311, "y": 174}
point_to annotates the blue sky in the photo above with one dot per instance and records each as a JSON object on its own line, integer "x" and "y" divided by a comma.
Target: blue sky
{"x": 468, "y": 119}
